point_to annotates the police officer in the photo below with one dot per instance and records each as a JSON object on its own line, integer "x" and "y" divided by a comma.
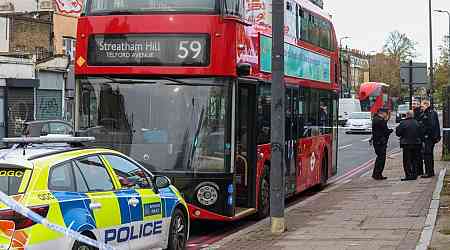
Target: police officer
{"x": 380, "y": 138}
{"x": 431, "y": 136}
{"x": 410, "y": 133}
{"x": 418, "y": 117}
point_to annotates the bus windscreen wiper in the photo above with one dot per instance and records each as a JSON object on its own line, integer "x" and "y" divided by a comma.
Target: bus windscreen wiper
{"x": 115, "y": 12}
{"x": 181, "y": 82}
{"x": 129, "y": 81}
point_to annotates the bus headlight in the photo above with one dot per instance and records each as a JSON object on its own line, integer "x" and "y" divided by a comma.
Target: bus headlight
{"x": 207, "y": 194}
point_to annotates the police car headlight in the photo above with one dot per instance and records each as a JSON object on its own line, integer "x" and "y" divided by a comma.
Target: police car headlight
{"x": 208, "y": 194}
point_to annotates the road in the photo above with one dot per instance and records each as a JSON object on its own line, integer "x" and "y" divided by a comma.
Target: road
{"x": 354, "y": 150}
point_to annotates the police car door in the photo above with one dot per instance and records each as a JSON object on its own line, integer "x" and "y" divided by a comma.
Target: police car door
{"x": 145, "y": 206}
{"x": 111, "y": 213}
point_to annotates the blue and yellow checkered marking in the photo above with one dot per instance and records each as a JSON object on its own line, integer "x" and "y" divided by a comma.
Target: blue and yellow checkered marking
{"x": 169, "y": 200}
{"x": 75, "y": 210}
{"x": 129, "y": 213}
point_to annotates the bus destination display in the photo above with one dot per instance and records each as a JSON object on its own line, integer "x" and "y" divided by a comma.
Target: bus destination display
{"x": 148, "y": 50}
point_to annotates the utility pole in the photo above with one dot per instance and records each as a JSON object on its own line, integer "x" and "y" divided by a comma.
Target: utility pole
{"x": 431, "y": 91}
{"x": 277, "y": 164}
{"x": 411, "y": 87}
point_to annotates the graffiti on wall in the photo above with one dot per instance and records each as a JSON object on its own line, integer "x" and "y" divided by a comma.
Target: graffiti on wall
{"x": 49, "y": 107}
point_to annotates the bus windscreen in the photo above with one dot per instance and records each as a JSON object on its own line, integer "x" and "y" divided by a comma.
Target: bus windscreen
{"x": 99, "y": 7}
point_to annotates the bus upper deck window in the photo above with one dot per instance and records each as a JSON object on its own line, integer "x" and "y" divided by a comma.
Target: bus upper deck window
{"x": 234, "y": 8}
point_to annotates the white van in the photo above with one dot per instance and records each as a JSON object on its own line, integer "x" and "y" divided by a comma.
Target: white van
{"x": 346, "y": 107}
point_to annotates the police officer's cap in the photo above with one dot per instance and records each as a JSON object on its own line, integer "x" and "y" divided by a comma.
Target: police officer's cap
{"x": 383, "y": 110}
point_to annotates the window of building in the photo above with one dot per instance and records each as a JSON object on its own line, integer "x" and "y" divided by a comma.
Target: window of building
{"x": 69, "y": 46}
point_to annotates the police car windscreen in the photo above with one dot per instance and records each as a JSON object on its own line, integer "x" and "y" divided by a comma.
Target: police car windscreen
{"x": 11, "y": 180}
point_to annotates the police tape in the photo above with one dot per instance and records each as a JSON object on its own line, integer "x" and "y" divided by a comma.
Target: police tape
{"x": 24, "y": 211}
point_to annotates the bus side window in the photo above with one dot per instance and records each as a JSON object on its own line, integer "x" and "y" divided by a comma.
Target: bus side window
{"x": 295, "y": 115}
{"x": 289, "y": 114}
{"x": 263, "y": 114}
{"x": 305, "y": 98}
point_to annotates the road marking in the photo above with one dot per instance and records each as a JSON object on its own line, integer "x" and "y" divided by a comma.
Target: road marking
{"x": 430, "y": 222}
{"x": 346, "y": 146}
{"x": 366, "y": 140}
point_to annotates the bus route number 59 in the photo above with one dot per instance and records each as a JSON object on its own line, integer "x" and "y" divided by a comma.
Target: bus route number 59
{"x": 189, "y": 47}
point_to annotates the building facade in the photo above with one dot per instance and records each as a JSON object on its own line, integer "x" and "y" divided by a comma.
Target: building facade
{"x": 355, "y": 70}
{"x": 40, "y": 36}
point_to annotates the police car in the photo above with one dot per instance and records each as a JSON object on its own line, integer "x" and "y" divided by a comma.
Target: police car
{"x": 98, "y": 193}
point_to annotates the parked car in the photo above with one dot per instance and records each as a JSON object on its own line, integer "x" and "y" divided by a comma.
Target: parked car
{"x": 346, "y": 107}
{"x": 47, "y": 128}
{"x": 359, "y": 122}
{"x": 401, "y": 112}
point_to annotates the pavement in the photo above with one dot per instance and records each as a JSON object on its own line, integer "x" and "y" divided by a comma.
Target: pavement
{"x": 360, "y": 213}
{"x": 441, "y": 232}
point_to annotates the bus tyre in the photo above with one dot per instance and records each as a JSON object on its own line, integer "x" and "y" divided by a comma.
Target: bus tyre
{"x": 264, "y": 194}
{"x": 324, "y": 171}
{"x": 178, "y": 231}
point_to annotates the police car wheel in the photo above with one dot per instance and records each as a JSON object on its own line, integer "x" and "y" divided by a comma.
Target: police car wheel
{"x": 81, "y": 246}
{"x": 178, "y": 231}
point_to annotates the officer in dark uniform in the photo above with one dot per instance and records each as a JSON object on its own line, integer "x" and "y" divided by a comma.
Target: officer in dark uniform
{"x": 418, "y": 117}
{"x": 410, "y": 133}
{"x": 432, "y": 135}
{"x": 380, "y": 138}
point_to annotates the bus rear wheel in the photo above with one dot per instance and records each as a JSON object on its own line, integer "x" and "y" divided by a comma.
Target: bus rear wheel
{"x": 264, "y": 195}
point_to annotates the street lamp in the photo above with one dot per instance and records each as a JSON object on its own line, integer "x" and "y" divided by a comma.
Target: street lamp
{"x": 371, "y": 54}
{"x": 448, "y": 63}
{"x": 431, "y": 90}
{"x": 340, "y": 62}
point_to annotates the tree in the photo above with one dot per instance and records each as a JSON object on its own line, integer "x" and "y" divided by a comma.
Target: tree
{"x": 400, "y": 47}
{"x": 441, "y": 73}
{"x": 386, "y": 69}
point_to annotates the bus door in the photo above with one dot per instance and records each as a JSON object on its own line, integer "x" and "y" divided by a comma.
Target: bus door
{"x": 291, "y": 138}
{"x": 245, "y": 132}
{"x": 335, "y": 120}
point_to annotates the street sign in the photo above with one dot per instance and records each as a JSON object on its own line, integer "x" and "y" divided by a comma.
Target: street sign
{"x": 419, "y": 73}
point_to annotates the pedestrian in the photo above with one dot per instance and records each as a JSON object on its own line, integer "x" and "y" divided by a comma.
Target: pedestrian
{"x": 431, "y": 136}
{"x": 410, "y": 133}
{"x": 418, "y": 117}
{"x": 380, "y": 138}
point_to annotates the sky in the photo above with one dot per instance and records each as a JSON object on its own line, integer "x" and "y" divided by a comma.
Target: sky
{"x": 369, "y": 22}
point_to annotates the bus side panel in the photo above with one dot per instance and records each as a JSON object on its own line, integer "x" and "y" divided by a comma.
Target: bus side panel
{"x": 303, "y": 172}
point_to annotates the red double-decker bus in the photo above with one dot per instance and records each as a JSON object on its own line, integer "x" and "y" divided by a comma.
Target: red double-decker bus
{"x": 183, "y": 86}
{"x": 374, "y": 96}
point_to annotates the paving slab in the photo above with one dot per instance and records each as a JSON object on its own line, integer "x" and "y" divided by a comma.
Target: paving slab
{"x": 361, "y": 214}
